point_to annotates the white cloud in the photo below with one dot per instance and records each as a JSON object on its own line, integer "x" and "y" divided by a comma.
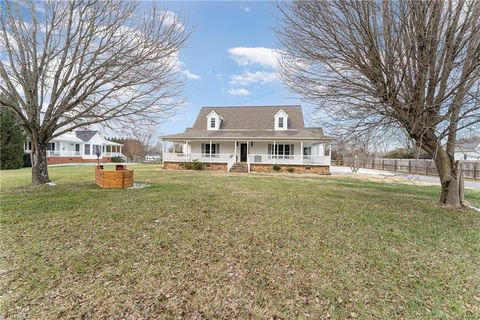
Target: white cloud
{"x": 245, "y": 8}
{"x": 191, "y": 75}
{"x": 249, "y": 77}
{"x": 245, "y": 56}
{"x": 170, "y": 18}
{"x": 238, "y": 92}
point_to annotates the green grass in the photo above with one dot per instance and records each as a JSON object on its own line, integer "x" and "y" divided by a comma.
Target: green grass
{"x": 204, "y": 245}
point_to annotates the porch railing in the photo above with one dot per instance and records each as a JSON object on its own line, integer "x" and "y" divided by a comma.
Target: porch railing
{"x": 231, "y": 162}
{"x": 63, "y": 153}
{"x": 54, "y": 153}
{"x": 201, "y": 157}
{"x": 230, "y": 159}
{"x": 288, "y": 159}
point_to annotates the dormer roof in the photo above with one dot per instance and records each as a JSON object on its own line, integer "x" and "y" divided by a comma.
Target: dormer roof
{"x": 213, "y": 113}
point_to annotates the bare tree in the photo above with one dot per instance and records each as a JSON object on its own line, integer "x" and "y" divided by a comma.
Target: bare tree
{"x": 390, "y": 64}
{"x": 65, "y": 65}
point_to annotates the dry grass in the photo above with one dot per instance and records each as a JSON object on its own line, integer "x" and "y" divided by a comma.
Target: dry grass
{"x": 201, "y": 245}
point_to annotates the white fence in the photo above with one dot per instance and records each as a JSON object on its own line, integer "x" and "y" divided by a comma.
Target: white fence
{"x": 470, "y": 168}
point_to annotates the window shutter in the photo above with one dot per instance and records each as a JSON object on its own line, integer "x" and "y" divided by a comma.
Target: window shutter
{"x": 269, "y": 149}
{"x": 203, "y": 148}
{"x": 218, "y": 148}
{"x": 292, "y": 150}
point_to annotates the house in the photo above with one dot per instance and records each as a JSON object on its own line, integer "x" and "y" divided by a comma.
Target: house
{"x": 79, "y": 146}
{"x": 469, "y": 149}
{"x": 256, "y": 138}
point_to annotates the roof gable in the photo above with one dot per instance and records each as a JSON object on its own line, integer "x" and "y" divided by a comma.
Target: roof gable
{"x": 85, "y": 135}
{"x": 251, "y": 118}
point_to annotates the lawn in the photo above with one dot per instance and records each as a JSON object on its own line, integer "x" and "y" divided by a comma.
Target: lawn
{"x": 210, "y": 245}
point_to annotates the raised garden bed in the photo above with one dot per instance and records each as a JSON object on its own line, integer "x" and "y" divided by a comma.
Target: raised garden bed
{"x": 120, "y": 178}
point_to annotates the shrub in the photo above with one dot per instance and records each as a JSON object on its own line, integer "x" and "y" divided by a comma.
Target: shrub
{"x": 276, "y": 167}
{"x": 118, "y": 159}
{"x": 11, "y": 142}
{"x": 197, "y": 165}
{"x": 27, "y": 160}
{"x": 290, "y": 170}
{"x": 186, "y": 165}
{"x": 194, "y": 165}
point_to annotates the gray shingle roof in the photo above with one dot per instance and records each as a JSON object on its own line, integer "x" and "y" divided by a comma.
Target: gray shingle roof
{"x": 85, "y": 135}
{"x": 253, "y": 122}
{"x": 250, "y": 118}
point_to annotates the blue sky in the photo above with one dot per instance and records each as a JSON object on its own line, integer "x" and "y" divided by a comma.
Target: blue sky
{"x": 229, "y": 58}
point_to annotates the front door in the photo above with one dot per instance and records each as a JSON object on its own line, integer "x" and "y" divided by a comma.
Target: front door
{"x": 243, "y": 152}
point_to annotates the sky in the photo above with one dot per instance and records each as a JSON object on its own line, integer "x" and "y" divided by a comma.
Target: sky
{"x": 229, "y": 59}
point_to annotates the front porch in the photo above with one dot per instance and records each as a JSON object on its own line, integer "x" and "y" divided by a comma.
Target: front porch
{"x": 256, "y": 155}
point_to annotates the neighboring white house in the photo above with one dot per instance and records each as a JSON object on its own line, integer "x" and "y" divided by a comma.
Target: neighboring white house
{"x": 468, "y": 150}
{"x": 256, "y": 138}
{"x": 79, "y": 146}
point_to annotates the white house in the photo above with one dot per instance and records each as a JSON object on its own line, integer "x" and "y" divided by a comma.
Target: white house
{"x": 468, "y": 150}
{"x": 79, "y": 146}
{"x": 256, "y": 138}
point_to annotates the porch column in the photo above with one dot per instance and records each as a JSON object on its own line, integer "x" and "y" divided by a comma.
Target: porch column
{"x": 274, "y": 153}
{"x": 186, "y": 150}
{"x": 210, "y": 151}
{"x": 163, "y": 150}
{"x": 330, "y": 154}
{"x": 301, "y": 153}
{"x": 235, "y": 151}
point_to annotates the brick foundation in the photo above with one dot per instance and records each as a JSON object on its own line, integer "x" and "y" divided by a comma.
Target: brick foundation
{"x": 206, "y": 166}
{"x": 254, "y": 167}
{"x": 296, "y": 168}
{"x": 61, "y": 160}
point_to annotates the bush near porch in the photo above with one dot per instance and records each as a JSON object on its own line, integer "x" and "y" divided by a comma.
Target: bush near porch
{"x": 212, "y": 245}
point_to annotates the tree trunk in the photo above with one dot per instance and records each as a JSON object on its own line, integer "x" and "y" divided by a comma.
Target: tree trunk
{"x": 451, "y": 178}
{"x": 39, "y": 163}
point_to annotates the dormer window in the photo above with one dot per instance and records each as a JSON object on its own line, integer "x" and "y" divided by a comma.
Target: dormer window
{"x": 214, "y": 121}
{"x": 281, "y": 120}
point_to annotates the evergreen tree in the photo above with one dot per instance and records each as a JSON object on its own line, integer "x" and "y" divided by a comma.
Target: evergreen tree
{"x": 11, "y": 142}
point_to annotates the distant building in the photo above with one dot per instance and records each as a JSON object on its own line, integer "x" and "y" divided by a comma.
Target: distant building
{"x": 79, "y": 146}
{"x": 469, "y": 150}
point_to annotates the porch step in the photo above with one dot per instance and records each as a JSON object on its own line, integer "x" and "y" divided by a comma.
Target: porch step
{"x": 239, "y": 167}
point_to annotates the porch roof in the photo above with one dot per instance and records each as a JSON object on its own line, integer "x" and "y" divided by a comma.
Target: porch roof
{"x": 301, "y": 134}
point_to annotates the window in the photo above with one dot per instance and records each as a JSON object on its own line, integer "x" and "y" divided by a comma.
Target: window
{"x": 465, "y": 157}
{"x": 51, "y": 146}
{"x": 77, "y": 148}
{"x": 87, "y": 149}
{"x": 206, "y": 148}
{"x": 307, "y": 151}
{"x": 281, "y": 151}
{"x": 212, "y": 122}
{"x": 280, "y": 122}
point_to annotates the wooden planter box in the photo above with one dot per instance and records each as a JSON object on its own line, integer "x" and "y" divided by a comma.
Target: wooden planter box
{"x": 120, "y": 178}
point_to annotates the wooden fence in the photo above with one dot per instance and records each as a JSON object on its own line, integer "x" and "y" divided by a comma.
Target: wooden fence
{"x": 471, "y": 168}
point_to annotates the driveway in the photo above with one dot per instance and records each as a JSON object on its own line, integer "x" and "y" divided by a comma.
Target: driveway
{"x": 412, "y": 177}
